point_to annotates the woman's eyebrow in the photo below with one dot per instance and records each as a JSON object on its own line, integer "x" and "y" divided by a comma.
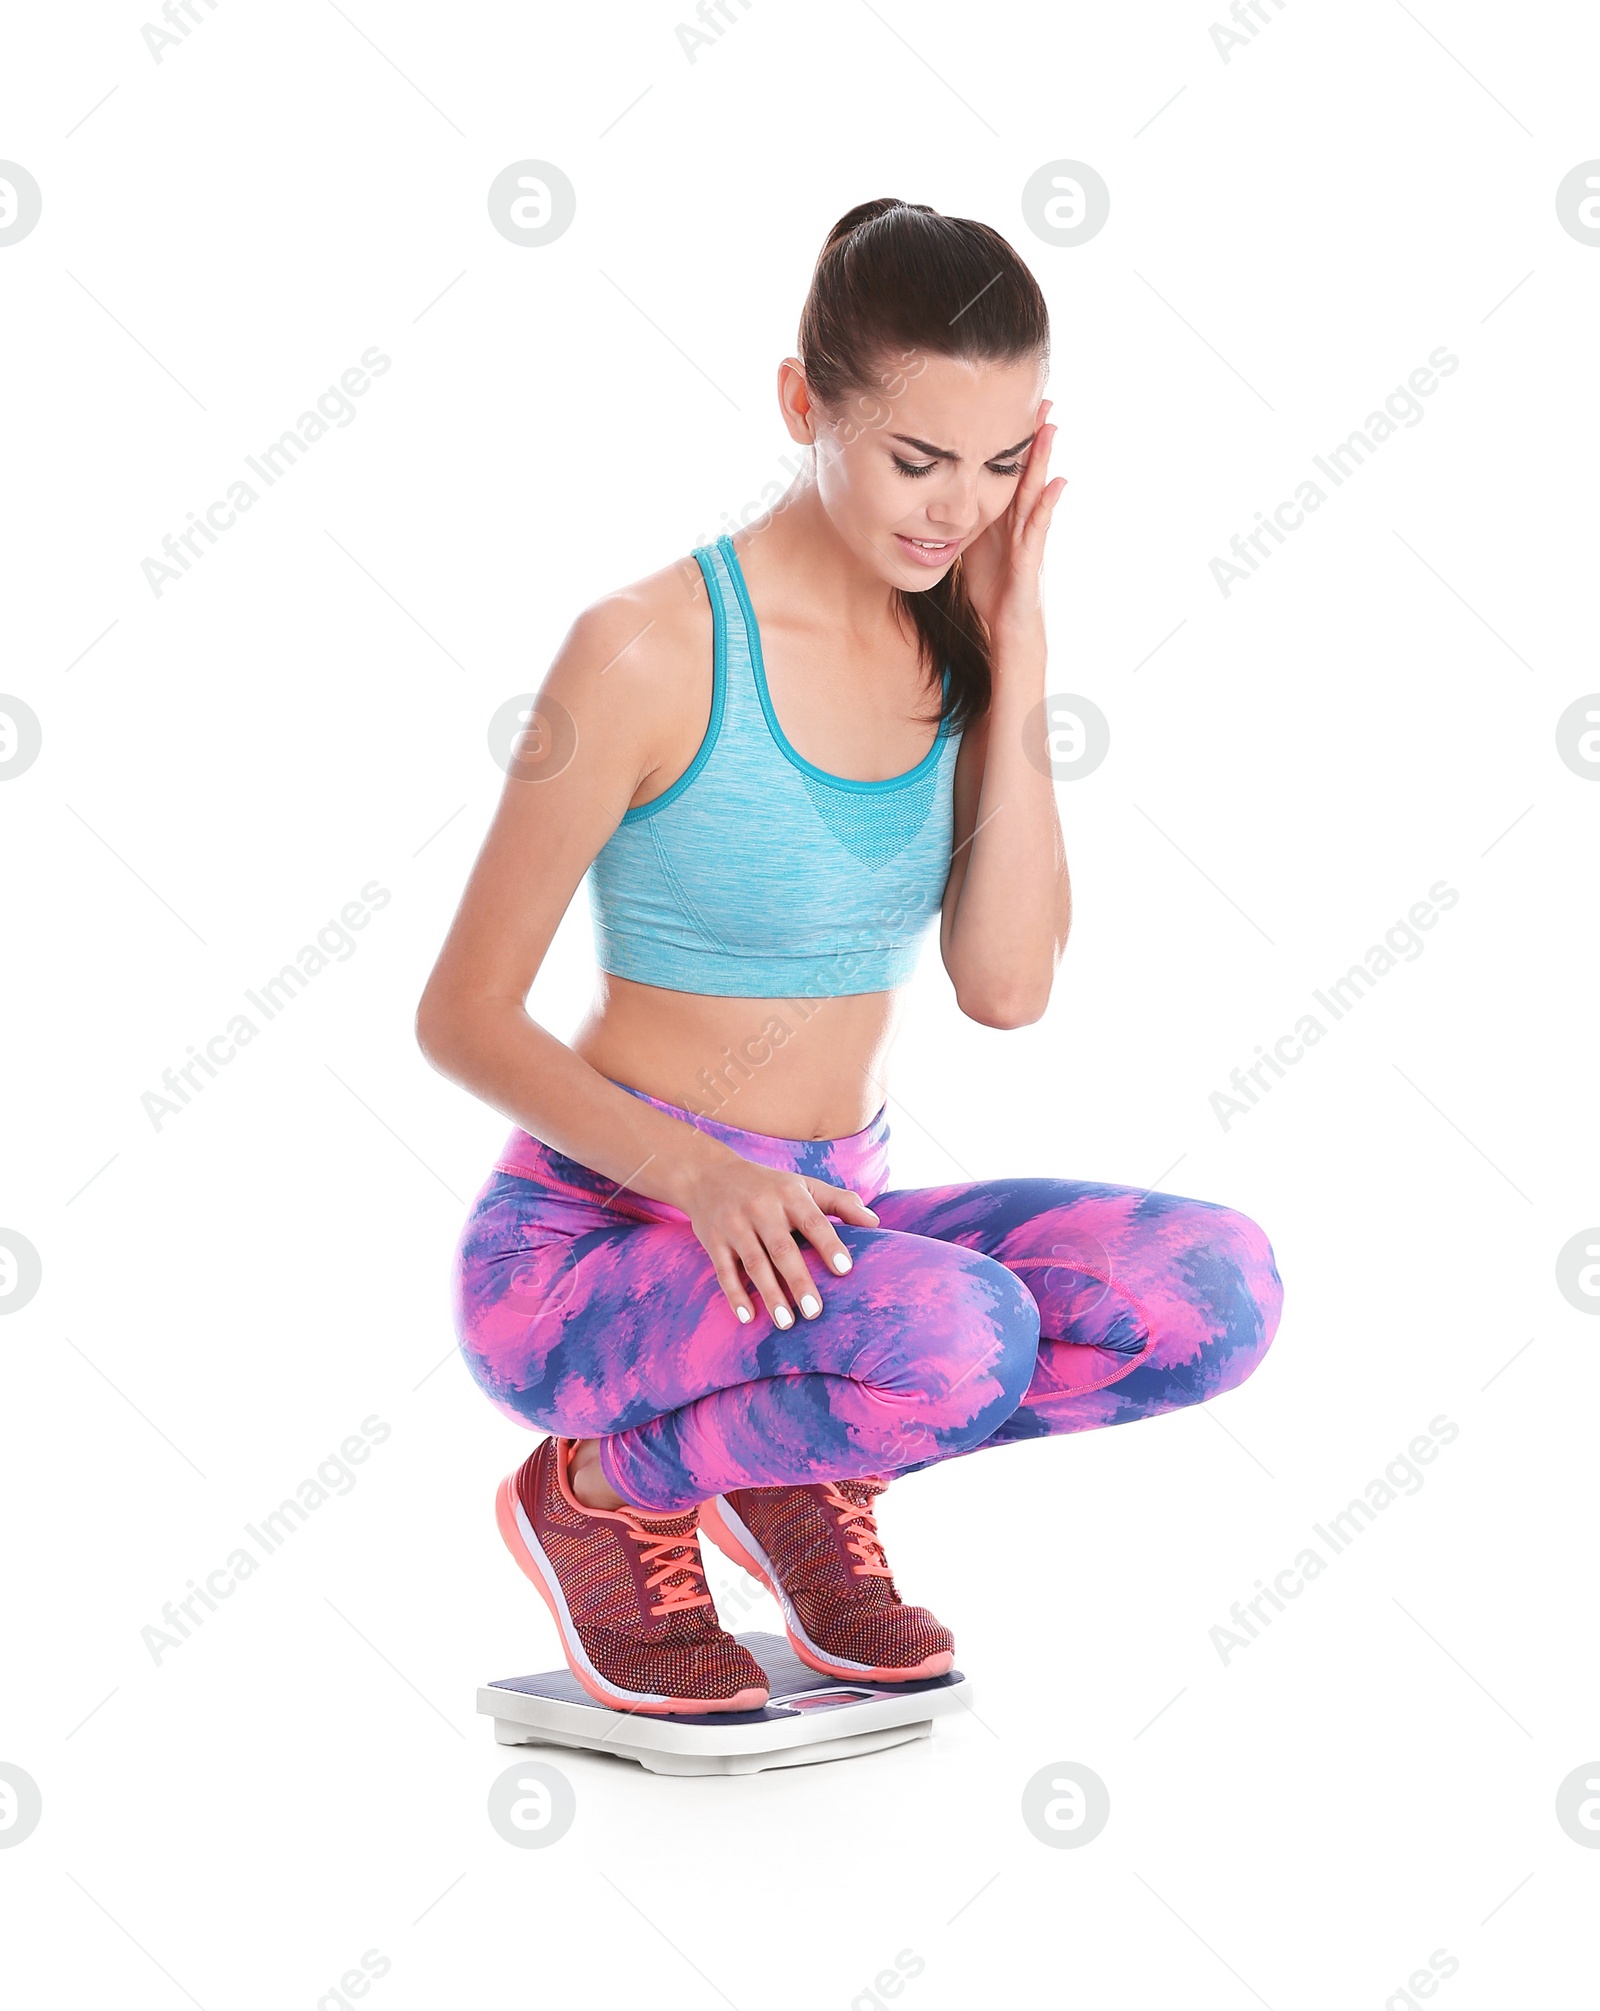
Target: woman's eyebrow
{"x": 945, "y": 454}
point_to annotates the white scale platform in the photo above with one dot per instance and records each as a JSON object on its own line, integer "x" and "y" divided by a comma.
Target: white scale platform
{"x": 807, "y": 1718}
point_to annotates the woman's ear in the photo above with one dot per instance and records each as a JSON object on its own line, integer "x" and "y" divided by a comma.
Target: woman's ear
{"x": 794, "y": 401}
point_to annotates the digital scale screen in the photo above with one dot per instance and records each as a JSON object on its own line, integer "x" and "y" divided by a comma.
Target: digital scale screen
{"x": 824, "y": 1700}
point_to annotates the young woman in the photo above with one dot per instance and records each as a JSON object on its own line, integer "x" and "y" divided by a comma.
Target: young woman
{"x": 688, "y": 1266}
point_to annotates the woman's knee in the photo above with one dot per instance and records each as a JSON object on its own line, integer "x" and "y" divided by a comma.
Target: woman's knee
{"x": 956, "y": 1350}
{"x": 1016, "y": 1330}
{"x": 1235, "y": 1259}
{"x": 989, "y": 1352}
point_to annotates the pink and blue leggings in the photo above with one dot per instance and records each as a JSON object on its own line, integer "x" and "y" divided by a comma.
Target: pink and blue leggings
{"x": 975, "y": 1315}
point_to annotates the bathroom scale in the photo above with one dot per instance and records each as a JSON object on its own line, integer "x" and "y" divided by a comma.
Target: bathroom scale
{"x": 807, "y": 1718}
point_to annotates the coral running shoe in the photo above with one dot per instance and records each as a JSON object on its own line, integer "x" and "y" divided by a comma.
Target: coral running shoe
{"x": 627, "y": 1591}
{"x": 817, "y": 1551}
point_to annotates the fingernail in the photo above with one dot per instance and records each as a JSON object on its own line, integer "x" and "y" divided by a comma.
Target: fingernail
{"x": 811, "y": 1305}
{"x": 743, "y": 1312}
{"x": 783, "y": 1316}
{"x": 841, "y": 1260}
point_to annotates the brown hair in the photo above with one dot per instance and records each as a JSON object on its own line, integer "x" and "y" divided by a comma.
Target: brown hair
{"x": 896, "y": 280}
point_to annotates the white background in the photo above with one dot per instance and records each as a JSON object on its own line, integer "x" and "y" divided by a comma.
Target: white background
{"x": 224, "y": 766}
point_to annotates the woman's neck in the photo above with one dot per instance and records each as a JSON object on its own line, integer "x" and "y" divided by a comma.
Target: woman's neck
{"x": 802, "y": 570}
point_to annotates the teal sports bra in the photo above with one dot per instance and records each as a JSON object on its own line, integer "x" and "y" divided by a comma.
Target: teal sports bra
{"x": 758, "y": 874}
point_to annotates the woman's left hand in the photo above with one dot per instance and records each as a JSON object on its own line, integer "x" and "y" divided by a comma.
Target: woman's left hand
{"x": 1001, "y": 565}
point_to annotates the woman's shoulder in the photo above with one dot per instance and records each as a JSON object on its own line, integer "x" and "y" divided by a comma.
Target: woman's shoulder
{"x": 651, "y": 637}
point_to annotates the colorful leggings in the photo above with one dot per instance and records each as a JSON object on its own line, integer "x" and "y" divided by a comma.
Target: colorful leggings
{"x": 975, "y": 1315}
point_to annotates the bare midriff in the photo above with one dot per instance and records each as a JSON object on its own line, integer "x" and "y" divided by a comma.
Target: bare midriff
{"x": 792, "y": 1068}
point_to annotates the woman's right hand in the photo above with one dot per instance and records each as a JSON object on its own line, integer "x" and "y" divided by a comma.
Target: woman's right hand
{"x": 746, "y": 1217}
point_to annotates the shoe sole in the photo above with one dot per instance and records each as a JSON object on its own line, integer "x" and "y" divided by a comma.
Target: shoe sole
{"x": 519, "y": 1538}
{"x": 720, "y": 1521}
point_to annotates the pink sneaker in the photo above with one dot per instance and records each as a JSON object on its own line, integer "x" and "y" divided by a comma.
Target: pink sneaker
{"x": 817, "y": 1551}
{"x": 627, "y": 1592}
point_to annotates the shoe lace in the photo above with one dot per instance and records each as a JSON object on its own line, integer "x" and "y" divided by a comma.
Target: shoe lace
{"x": 679, "y": 1572}
{"x": 860, "y": 1527}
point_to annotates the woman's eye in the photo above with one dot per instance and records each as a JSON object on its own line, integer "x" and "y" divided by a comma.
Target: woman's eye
{"x": 914, "y": 468}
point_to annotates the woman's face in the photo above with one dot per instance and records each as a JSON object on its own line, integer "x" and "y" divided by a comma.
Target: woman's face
{"x": 913, "y": 470}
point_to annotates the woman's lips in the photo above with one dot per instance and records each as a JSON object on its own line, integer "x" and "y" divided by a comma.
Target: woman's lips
{"x": 927, "y": 554}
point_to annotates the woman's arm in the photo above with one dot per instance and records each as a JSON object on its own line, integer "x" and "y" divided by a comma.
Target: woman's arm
{"x": 1008, "y": 902}
{"x": 472, "y": 1021}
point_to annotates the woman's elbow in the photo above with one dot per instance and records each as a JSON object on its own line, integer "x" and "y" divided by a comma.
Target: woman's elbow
{"x": 1005, "y": 1008}
{"x": 1008, "y": 1000}
{"x": 437, "y": 1028}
